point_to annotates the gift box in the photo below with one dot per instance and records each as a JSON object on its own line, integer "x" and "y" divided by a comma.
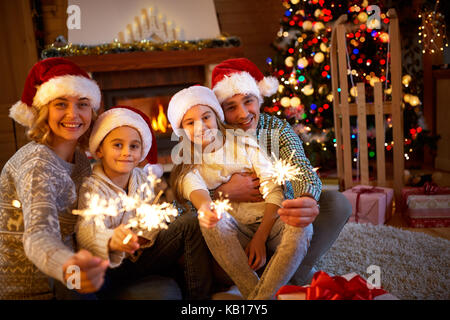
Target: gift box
{"x": 427, "y": 206}
{"x": 324, "y": 287}
{"x": 370, "y": 204}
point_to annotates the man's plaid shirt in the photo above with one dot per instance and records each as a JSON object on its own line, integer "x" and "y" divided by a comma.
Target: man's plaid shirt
{"x": 268, "y": 130}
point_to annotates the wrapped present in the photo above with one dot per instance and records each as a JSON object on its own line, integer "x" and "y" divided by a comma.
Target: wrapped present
{"x": 429, "y": 189}
{"x": 427, "y": 206}
{"x": 325, "y": 287}
{"x": 370, "y": 204}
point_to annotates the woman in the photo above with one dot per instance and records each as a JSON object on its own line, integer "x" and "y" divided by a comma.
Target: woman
{"x": 39, "y": 184}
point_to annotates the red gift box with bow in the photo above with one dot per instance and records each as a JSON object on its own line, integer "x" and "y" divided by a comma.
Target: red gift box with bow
{"x": 325, "y": 287}
{"x": 370, "y": 204}
{"x": 420, "y": 215}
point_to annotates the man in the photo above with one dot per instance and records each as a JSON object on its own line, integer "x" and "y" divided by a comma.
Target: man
{"x": 240, "y": 86}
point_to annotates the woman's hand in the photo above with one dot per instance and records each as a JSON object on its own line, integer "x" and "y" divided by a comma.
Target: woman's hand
{"x": 242, "y": 187}
{"x": 92, "y": 271}
{"x": 299, "y": 212}
{"x": 256, "y": 252}
{"x": 116, "y": 243}
{"x": 206, "y": 216}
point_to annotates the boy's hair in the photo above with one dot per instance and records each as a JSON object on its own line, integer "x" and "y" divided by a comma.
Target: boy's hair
{"x": 40, "y": 131}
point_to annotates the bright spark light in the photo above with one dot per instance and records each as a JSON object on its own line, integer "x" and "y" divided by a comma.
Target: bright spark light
{"x": 282, "y": 171}
{"x": 221, "y": 207}
{"x": 148, "y": 214}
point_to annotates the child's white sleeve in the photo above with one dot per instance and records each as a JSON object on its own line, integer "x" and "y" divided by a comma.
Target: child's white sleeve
{"x": 93, "y": 238}
{"x": 262, "y": 166}
{"x": 193, "y": 181}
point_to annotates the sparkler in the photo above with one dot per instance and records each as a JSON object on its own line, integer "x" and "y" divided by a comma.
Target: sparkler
{"x": 148, "y": 214}
{"x": 220, "y": 206}
{"x": 282, "y": 171}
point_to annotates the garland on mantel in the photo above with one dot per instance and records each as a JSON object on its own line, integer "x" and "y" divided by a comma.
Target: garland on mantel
{"x": 62, "y": 49}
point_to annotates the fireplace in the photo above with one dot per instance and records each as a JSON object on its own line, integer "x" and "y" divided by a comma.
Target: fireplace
{"x": 147, "y": 81}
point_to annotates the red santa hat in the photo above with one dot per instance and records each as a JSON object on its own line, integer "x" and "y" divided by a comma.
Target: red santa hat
{"x": 241, "y": 76}
{"x": 50, "y": 79}
{"x": 185, "y": 99}
{"x": 116, "y": 117}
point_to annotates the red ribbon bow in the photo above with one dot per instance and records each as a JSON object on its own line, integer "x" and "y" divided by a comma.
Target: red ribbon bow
{"x": 360, "y": 191}
{"x": 430, "y": 188}
{"x": 324, "y": 287}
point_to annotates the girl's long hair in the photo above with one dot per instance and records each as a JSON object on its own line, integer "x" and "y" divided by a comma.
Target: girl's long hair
{"x": 180, "y": 170}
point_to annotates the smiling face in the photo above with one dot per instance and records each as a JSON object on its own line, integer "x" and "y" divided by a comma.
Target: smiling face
{"x": 200, "y": 124}
{"x": 242, "y": 111}
{"x": 69, "y": 117}
{"x": 120, "y": 151}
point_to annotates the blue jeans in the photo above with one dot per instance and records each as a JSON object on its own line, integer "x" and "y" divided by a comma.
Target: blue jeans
{"x": 153, "y": 275}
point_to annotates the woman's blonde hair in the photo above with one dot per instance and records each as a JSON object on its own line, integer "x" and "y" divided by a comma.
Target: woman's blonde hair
{"x": 181, "y": 170}
{"x": 40, "y": 131}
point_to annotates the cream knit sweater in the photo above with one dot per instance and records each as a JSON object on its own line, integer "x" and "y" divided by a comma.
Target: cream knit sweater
{"x": 217, "y": 168}
{"x": 96, "y": 239}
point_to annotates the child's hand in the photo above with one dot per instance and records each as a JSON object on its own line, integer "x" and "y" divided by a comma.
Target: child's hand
{"x": 256, "y": 252}
{"x": 206, "y": 216}
{"x": 116, "y": 243}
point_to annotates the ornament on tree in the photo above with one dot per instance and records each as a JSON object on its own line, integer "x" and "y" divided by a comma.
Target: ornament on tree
{"x": 318, "y": 121}
{"x": 319, "y": 57}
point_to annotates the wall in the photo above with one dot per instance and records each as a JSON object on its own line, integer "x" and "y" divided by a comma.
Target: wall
{"x": 17, "y": 55}
{"x": 255, "y": 22}
{"x": 102, "y": 20}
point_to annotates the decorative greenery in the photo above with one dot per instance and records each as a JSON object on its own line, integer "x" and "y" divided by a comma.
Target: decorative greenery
{"x": 60, "y": 48}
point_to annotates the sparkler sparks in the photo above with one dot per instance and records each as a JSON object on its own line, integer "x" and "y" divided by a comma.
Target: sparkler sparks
{"x": 282, "y": 171}
{"x": 221, "y": 207}
{"x": 148, "y": 214}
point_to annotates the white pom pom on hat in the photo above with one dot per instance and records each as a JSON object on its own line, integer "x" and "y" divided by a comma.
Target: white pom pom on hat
{"x": 50, "y": 79}
{"x": 241, "y": 76}
{"x": 185, "y": 99}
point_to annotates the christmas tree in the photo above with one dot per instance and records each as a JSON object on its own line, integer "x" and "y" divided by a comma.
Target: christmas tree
{"x": 302, "y": 66}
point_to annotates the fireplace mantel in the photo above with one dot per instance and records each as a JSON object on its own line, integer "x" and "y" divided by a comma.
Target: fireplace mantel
{"x": 154, "y": 68}
{"x": 155, "y": 59}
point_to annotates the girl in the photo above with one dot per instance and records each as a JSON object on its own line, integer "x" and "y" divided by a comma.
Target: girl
{"x": 38, "y": 185}
{"x": 121, "y": 139}
{"x": 198, "y": 113}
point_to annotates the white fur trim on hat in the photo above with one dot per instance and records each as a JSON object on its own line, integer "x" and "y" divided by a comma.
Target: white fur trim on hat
{"x": 119, "y": 117}
{"x": 185, "y": 99}
{"x": 22, "y": 113}
{"x": 68, "y": 85}
{"x": 268, "y": 86}
{"x": 244, "y": 83}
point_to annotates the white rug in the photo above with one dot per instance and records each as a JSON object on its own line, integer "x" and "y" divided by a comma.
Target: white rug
{"x": 413, "y": 265}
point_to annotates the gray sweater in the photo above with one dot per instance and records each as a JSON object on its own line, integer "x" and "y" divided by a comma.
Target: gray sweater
{"x": 36, "y": 239}
{"x": 94, "y": 238}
